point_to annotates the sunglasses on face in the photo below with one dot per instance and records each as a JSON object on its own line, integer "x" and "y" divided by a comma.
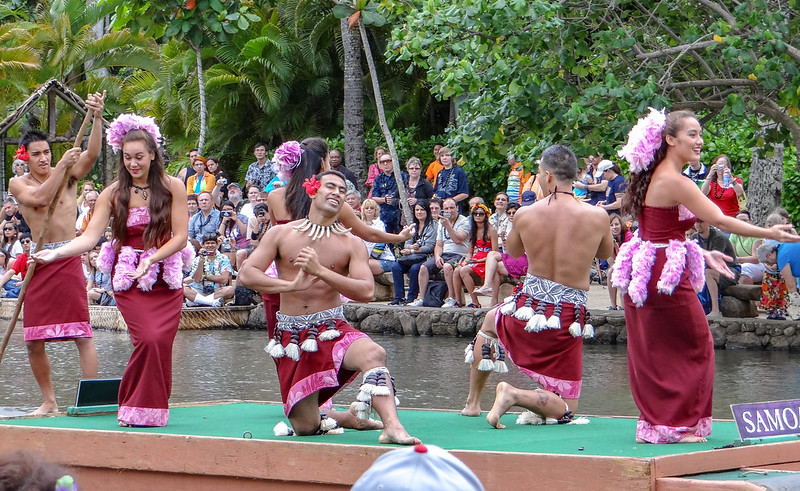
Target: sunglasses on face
{"x": 480, "y": 214}
{"x": 26, "y": 241}
{"x": 262, "y": 215}
{"x": 7, "y": 229}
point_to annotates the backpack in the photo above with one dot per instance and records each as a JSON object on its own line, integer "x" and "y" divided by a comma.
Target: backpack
{"x": 435, "y": 294}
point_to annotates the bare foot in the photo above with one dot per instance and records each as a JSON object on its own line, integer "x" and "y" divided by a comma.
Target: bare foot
{"x": 44, "y": 409}
{"x": 348, "y": 419}
{"x": 692, "y": 439}
{"x": 471, "y": 410}
{"x": 486, "y": 291}
{"x": 398, "y": 436}
{"x": 503, "y": 401}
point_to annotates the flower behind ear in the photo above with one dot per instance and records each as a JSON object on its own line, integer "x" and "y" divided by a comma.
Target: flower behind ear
{"x": 312, "y": 186}
{"x": 22, "y": 154}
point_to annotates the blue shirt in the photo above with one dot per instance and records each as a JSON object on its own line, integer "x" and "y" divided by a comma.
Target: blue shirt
{"x": 615, "y": 186}
{"x": 451, "y": 182}
{"x": 385, "y": 185}
{"x": 200, "y": 225}
{"x": 260, "y": 176}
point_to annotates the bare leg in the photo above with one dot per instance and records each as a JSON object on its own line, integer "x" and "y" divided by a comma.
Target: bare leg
{"x": 478, "y": 378}
{"x": 241, "y": 255}
{"x": 501, "y": 270}
{"x": 88, "y": 357}
{"x": 612, "y": 292}
{"x": 375, "y": 266}
{"x": 40, "y": 364}
{"x": 364, "y": 354}
{"x": 458, "y": 285}
{"x": 189, "y": 293}
{"x": 448, "y": 279}
{"x": 469, "y": 283}
{"x": 712, "y": 279}
{"x": 543, "y": 402}
{"x": 348, "y": 419}
{"x": 424, "y": 277}
{"x": 492, "y": 259}
{"x": 745, "y": 280}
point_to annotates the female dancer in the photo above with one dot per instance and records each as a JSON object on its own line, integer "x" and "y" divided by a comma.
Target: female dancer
{"x": 721, "y": 187}
{"x": 483, "y": 240}
{"x": 150, "y": 230}
{"x": 415, "y": 251}
{"x": 670, "y": 350}
{"x": 620, "y": 234}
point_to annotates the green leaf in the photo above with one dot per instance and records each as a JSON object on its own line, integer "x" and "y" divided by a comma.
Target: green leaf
{"x": 342, "y": 11}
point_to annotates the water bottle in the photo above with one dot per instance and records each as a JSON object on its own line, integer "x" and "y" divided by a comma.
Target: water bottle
{"x": 726, "y": 181}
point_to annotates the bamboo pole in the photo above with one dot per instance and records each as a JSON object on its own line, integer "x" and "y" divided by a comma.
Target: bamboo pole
{"x": 40, "y": 240}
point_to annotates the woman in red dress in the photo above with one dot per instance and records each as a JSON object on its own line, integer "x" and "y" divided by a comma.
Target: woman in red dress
{"x": 722, "y": 187}
{"x": 670, "y": 350}
{"x": 145, "y": 258}
{"x": 483, "y": 240}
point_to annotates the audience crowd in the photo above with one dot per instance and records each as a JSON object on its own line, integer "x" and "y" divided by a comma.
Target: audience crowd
{"x": 457, "y": 246}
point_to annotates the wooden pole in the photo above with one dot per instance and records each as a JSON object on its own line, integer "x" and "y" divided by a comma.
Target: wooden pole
{"x": 40, "y": 240}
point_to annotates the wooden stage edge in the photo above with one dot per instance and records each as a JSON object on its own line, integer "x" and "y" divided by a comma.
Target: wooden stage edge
{"x": 120, "y": 460}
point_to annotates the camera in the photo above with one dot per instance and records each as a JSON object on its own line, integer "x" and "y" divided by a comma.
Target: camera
{"x": 223, "y": 181}
{"x": 227, "y": 214}
{"x": 721, "y": 167}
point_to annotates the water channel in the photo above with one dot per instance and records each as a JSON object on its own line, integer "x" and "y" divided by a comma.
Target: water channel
{"x": 430, "y": 372}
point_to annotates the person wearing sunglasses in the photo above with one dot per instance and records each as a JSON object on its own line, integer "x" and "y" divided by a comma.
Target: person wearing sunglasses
{"x": 12, "y": 279}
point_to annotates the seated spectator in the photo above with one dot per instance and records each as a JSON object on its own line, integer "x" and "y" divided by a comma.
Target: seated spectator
{"x": 415, "y": 251}
{"x": 697, "y": 172}
{"x": 191, "y": 204}
{"x": 13, "y": 277}
{"x": 386, "y": 193}
{"x": 257, "y": 227}
{"x": 501, "y": 264}
{"x": 620, "y": 234}
{"x": 417, "y": 187}
{"x": 353, "y": 199}
{"x": 252, "y": 200}
{"x": 20, "y": 167}
{"x": 381, "y": 258}
{"x": 475, "y": 200}
{"x": 235, "y": 195}
{"x": 201, "y": 180}
{"x": 11, "y": 214}
{"x": 4, "y": 263}
{"x": 205, "y": 221}
{"x": 452, "y": 245}
{"x": 374, "y": 170}
{"x": 745, "y": 247}
{"x": 10, "y": 242}
{"x": 722, "y": 187}
{"x": 780, "y": 211}
{"x": 483, "y": 240}
{"x": 452, "y": 180}
{"x": 209, "y": 280}
{"x": 435, "y": 205}
{"x": 337, "y": 164}
{"x": 233, "y": 231}
{"x": 499, "y": 218}
{"x": 773, "y": 287}
{"x": 711, "y": 239}
{"x": 434, "y": 167}
{"x": 83, "y": 219}
{"x": 99, "y": 290}
{"x": 220, "y": 178}
{"x": 108, "y": 234}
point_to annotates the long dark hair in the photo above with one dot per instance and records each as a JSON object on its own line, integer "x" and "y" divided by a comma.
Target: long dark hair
{"x": 422, "y": 226}
{"x": 6, "y": 242}
{"x": 297, "y": 201}
{"x": 633, "y": 202}
{"x": 159, "y": 229}
{"x": 473, "y": 232}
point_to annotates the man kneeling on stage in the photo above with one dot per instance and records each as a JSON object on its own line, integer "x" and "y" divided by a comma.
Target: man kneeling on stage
{"x": 543, "y": 324}
{"x": 316, "y": 352}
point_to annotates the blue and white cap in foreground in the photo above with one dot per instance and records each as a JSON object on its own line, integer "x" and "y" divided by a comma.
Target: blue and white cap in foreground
{"x": 416, "y": 468}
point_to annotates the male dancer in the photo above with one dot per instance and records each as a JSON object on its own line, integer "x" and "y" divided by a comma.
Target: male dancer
{"x": 541, "y": 328}
{"x": 316, "y": 352}
{"x": 60, "y": 280}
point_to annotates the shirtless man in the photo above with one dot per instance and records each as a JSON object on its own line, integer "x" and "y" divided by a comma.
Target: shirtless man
{"x": 542, "y": 326}
{"x": 62, "y": 279}
{"x": 311, "y": 334}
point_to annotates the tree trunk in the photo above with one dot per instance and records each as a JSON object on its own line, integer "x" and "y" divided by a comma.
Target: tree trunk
{"x": 398, "y": 177}
{"x": 353, "y": 117}
{"x": 201, "y": 85}
{"x": 766, "y": 183}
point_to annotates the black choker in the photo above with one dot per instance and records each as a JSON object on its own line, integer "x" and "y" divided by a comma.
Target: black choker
{"x": 556, "y": 191}
{"x": 143, "y": 189}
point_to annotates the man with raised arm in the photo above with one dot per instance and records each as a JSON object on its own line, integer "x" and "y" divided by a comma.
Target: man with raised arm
{"x": 316, "y": 352}
{"x": 62, "y": 279}
{"x": 542, "y": 327}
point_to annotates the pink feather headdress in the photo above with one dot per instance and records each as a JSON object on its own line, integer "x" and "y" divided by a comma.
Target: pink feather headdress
{"x": 127, "y": 122}
{"x": 643, "y": 140}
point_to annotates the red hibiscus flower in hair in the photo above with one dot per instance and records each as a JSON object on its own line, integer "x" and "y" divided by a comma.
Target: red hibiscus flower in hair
{"x": 312, "y": 186}
{"x": 22, "y": 154}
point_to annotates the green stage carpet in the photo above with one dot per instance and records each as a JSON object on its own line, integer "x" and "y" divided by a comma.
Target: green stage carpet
{"x": 602, "y": 436}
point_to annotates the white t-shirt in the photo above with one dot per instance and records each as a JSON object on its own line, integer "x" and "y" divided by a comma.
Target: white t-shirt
{"x": 450, "y": 247}
{"x": 387, "y": 254}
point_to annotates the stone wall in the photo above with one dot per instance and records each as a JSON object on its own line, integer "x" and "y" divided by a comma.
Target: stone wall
{"x": 609, "y": 326}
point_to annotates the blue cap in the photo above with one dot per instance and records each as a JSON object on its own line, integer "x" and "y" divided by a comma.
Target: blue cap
{"x": 528, "y": 198}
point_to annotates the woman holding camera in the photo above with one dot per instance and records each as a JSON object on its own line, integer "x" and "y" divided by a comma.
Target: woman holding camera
{"x": 233, "y": 231}
{"x": 414, "y": 252}
{"x": 721, "y": 187}
{"x": 221, "y": 178}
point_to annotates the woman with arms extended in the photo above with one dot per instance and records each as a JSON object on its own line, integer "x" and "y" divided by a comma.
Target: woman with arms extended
{"x": 670, "y": 350}
{"x": 150, "y": 229}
